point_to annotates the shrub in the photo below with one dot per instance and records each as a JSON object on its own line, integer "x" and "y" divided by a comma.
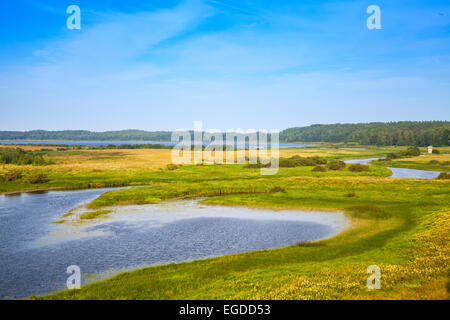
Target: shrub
{"x": 36, "y": 178}
{"x": 277, "y": 189}
{"x": 434, "y": 162}
{"x": 336, "y": 165}
{"x": 393, "y": 156}
{"x": 313, "y": 161}
{"x": 357, "y": 167}
{"x": 436, "y": 151}
{"x": 444, "y": 175}
{"x": 172, "y": 166}
{"x": 257, "y": 165}
{"x": 11, "y": 176}
{"x": 20, "y": 157}
{"x": 411, "y": 152}
{"x": 297, "y": 161}
{"x": 287, "y": 163}
{"x": 319, "y": 169}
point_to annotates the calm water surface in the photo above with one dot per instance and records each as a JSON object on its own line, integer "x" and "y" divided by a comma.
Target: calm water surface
{"x": 401, "y": 172}
{"x": 35, "y": 253}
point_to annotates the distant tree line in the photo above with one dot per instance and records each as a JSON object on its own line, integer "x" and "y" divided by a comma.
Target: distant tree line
{"x": 83, "y": 135}
{"x": 406, "y": 133}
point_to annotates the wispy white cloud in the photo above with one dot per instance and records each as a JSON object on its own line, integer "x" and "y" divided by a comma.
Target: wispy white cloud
{"x": 273, "y": 69}
{"x": 109, "y": 49}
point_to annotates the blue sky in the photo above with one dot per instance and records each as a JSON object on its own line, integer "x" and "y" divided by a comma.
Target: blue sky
{"x": 232, "y": 64}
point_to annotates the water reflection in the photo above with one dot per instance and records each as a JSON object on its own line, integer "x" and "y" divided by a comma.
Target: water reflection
{"x": 36, "y": 252}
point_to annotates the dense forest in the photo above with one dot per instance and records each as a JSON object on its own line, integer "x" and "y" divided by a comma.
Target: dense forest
{"x": 406, "y": 133}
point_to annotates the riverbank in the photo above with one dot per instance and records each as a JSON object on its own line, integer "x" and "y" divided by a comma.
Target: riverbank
{"x": 439, "y": 163}
{"x": 393, "y": 228}
{"x": 135, "y": 236}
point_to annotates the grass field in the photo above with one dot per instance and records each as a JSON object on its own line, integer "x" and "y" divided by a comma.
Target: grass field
{"x": 400, "y": 225}
{"x": 82, "y": 169}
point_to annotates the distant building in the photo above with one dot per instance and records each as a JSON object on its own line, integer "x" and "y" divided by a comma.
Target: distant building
{"x": 430, "y": 149}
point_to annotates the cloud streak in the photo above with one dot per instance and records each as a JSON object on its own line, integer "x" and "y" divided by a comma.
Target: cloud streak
{"x": 270, "y": 67}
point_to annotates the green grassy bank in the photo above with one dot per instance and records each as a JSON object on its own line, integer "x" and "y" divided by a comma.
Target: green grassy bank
{"x": 72, "y": 180}
{"x": 400, "y": 225}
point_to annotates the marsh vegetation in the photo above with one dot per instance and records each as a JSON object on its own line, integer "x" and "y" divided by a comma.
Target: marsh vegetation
{"x": 21, "y": 157}
{"x": 392, "y": 225}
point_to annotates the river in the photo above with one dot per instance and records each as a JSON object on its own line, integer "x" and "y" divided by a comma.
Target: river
{"x": 35, "y": 253}
{"x": 401, "y": 172}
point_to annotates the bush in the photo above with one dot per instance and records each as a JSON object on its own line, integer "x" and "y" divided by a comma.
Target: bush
{"x": 393, "y": 156}
{"x": 319, "y": 169}
{"x": 172, "y": 166}
{"x": 434, "y": 162}
{"x": 336, "y": 165}
{"x": 444, "y": 175}
{"x": 20, "y": 157}
{"x": 277, "y": 189}
{"x": 436, "y": 151}
{"x": 36, "y": 178}
{"x": 411, "y": 152}
{"x": 357, "y": 167}
{"x": 312, "y": 161}
{"x": 257, "y": 165}
{"x": 297, "y": 161}
{"x": 11, "y": 176}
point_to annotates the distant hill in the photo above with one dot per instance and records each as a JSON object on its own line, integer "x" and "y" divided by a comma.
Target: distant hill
{"x": 412, "y": 133}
